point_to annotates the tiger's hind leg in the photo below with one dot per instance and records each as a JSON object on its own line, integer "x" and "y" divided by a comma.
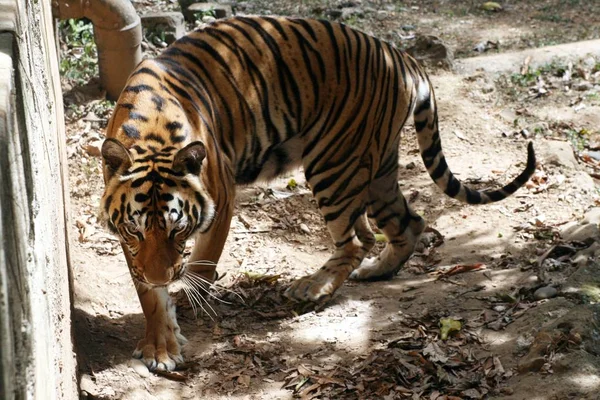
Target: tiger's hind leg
{"x": 350, "y": 251}
{"x": 400, "y": 224}
{"x": 348, "y": 226}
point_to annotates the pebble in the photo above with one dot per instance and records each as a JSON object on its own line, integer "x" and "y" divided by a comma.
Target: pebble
{"x": 524, "y": 342}
{"x": 545, "y": 292}
{"x": 499, "y": 308}
{"x": 304, "y": 229}
{"x": 408, "y": 28}
{"x": 594, "y": 154}
{"x": 582, "y": 86}
{"x": 139, "y": 367}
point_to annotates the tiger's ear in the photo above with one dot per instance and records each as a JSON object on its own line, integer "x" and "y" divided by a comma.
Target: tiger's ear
{"x": 189, "y": 159}
{"x": 116, "y": 157}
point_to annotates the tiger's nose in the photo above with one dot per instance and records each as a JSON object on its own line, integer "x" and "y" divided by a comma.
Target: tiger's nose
{"x": 161, "y": 278}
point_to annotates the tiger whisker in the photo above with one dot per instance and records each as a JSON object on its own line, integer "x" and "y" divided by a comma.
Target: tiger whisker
{"x": 187, "y": 293}
{"x": 197, "y": 296}
{"x": 202, "y": 285}
{"x": 202, "y": 280}
{"x": 200, "y": 262}
{"x": 195, "y": 291}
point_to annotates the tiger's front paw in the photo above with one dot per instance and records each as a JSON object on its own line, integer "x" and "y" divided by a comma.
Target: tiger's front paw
{"x": 318, "y": 287}
{"x": 161, "y": 349}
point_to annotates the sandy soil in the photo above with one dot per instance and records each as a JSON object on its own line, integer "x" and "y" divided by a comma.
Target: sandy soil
{"x": 251, "y": 344}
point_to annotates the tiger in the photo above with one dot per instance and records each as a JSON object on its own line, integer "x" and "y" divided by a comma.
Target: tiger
{"x": 247, "y": 99}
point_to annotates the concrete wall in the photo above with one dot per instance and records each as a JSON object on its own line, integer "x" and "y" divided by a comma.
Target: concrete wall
{"x": 36, "y": 353}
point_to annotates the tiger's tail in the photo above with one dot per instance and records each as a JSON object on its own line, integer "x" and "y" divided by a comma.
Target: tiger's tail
{"x": 430, "y": 145}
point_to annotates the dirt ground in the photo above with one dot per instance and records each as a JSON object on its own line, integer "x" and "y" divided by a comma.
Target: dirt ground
{"x": 520, "y": 277}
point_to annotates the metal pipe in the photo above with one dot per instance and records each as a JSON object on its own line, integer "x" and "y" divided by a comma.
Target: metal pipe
{"x": 118, "y": 36}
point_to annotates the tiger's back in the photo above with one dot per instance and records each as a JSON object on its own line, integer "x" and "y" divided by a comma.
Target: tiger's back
{"x": 248, "y": 98}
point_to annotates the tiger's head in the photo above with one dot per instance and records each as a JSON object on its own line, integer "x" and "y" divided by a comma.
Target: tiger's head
{"x": 154, "y": 201}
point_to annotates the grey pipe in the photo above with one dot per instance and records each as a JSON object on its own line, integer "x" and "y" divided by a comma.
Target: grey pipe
{"x": 118, "y": 36}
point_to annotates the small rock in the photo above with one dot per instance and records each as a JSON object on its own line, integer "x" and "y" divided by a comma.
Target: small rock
{"x": 546, "y": 292}
{"x": 408, "y": 28}
{"x": 499, "y": 308}
{"x": 485, "y": 46}
{"x": 538, "y": 127}
{"x": 524, "y": 342}
{"x": 184, "y": 4}
{"x": 581, "y": 231}
{"x": 381, "y": 15}
{"x": 589, "y": 62}
{"x": 532, "y": 365}
{"x": 304, "y": 229}
{"x": 87, "y": 385}
{"x": 410, "y": 165}
{"x": 139, "y": 367}
{"x": 208, "y": 19}
{"x": 582, "y": 86}
{"x": 593, "y": 154}
{"x": 350, "y": 12}
{"x": 488, "y": 88}
{"x": 559, "y": 154}
{"x": 538, "y": 220}
{"x": 592, "y": 216}
{"x": 215, "y": 10}
{"x": 94, "y": 148}
{"x": 171, "y": 23}
{"x": 430, "y": 49}
{"x": 333, "y": 13}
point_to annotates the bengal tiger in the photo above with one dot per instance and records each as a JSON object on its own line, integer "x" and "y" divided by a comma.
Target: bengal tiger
{"x": 246, "y": 99}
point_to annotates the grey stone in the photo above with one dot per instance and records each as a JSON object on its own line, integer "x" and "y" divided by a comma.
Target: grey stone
{"x": 333, "y": 13}
{"x": 430, "y": 49}
{"x": 87, "y": 385}
{"x": 171, "y": 23}
{"x": 546, "y": 292}
{"x": 408, "y": 28}
{"x": 538, "y": 127}
{"x": 139, "y": 367}
{"x": 582, "y": 86}
{"x": 184, "y": 4}
{"x": 350, "y": 12}
{"x": 592, "y": 216}
{"x": 594, "y": 154}
{"x": 212, "y": 9}
{"x": 587, "y": 228}
{"x": 524, "y": 342}
{"x": 559, "y": 154}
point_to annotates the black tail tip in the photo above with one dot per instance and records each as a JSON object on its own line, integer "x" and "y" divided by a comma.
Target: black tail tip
{"x": 531, "y": 161}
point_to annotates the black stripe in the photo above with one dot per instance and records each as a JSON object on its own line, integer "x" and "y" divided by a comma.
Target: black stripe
{"x": 146, "y": 71}
{"x": 473, "y": 196}
{"x": 453, "y": 187}
{"x": 139, "y": 169}
{"x": 423, "y": 105}
{"x": 131, "y": 131}
{"x": 166, "y": 197}
{"x": 155, "y": 137}
{"x": 137, "y": 116}
{"x": 420, "y": 125}
{"x": 138, "y": 149}
{"x": 306, "y": 25}
{"x": 139, "y": 88}
{"x": 158, "y": 101}
{"x": 141, "y": 197}
{"x": 107, "y": 203}
{"x": 439, "y": 171}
